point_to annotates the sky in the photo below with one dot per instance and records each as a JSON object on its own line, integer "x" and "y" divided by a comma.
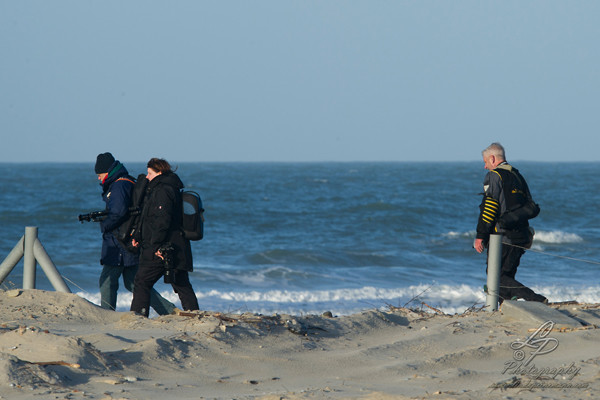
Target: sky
{"x": 298, "y": 80}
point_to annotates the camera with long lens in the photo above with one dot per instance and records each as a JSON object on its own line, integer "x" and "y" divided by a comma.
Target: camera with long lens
{"x": 94, "y": 216}
{"x": 167, "y": 251}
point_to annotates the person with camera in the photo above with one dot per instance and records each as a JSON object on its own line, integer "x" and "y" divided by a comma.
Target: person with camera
{"x": 163, "y": 249}
{"x": 116, "y": 260}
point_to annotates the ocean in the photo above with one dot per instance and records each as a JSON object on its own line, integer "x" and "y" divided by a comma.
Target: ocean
{"x": 305, "y": 238}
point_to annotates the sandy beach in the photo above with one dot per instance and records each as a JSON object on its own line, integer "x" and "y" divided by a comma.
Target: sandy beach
{"x": 60, "y": 346}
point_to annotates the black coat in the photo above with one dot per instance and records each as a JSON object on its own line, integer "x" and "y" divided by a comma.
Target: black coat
{"x": 161, "y": 222}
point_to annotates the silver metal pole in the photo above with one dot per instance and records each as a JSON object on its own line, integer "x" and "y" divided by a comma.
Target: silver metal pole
{"x": 11, "y": 260}
{"x": 29, "y": 262}
{"x": 493, "y": 272}
{"x": 49, "y": 268}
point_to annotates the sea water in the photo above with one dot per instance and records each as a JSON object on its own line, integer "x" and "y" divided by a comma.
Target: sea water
{"x": 312, "y": 237}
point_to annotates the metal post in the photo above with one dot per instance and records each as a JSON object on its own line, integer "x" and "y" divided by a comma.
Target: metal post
{"x": 11, "y": 260}
{"x": 493, "y": 272}
{"x": 49, "y": 268}
{"x": 29, "y": 261}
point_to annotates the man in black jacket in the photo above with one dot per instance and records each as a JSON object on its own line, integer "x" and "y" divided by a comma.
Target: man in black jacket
{"x": 117, "y": 186}
{"x": 505, "y": 189}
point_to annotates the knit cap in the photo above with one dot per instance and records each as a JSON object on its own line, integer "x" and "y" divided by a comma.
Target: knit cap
{"x": 104, "y": 162}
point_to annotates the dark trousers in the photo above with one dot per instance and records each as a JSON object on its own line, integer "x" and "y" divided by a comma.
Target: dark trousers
{"x": 109, "y": 286}
{"x": 145, "y": 279}
{"x": 509, "y": 286}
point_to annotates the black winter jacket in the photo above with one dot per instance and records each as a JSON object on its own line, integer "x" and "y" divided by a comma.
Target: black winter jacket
{"x": 116, "y": 193}
{"x": 161, "y": 222}
{"x": 504, "y": 189}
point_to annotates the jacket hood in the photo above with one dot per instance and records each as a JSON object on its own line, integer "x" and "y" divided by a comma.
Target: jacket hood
{"x": 167, "y": 178}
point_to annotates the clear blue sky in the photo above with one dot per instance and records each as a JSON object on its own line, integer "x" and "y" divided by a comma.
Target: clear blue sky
{"x": 299, "y": 80}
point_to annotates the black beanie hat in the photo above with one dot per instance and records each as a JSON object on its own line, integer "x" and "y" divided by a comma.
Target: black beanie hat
{"x": 103, "y": 162}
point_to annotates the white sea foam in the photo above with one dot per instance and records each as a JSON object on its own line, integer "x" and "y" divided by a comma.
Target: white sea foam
{"x": 541, "y": 238}
{"x": 581, "y": 294}
{"x": 458, "y": 235}
{"x": 448, "y": 298}
{"x": 556, "y": 237}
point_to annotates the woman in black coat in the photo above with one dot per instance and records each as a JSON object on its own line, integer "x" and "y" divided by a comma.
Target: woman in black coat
{"x": 161, "y": 240}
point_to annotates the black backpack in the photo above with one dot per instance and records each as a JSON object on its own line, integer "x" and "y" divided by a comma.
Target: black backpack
{"x": 192, "y": 218}
{"x": 523, "y": 212}
{"x": 193, "y": 215}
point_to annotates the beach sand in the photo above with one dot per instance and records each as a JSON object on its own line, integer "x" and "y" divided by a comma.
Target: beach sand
{"x": 60, "y": 346}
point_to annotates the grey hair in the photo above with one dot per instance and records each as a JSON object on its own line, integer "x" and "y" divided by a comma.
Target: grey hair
{"x": 494, "y": 149}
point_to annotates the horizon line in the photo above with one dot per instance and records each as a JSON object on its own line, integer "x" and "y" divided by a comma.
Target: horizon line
{"x": 299, "y": 161}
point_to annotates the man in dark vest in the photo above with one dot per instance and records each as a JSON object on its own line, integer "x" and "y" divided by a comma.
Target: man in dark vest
{"x": 117, "y": 186}
{"x": 505, "y": 189}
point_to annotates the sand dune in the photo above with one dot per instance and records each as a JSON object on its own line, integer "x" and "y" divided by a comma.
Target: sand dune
{"x": 58, "y": 346}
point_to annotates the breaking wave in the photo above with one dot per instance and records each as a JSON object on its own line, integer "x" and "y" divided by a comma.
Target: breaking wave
{"x": 448, "y": 298}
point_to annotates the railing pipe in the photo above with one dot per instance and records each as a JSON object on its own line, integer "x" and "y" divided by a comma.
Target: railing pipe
{"x": 49, "y": 268}
{"x": 29, "y": 262}
{"x": 493, "y": 272}
{"x": 12, "y": 259}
